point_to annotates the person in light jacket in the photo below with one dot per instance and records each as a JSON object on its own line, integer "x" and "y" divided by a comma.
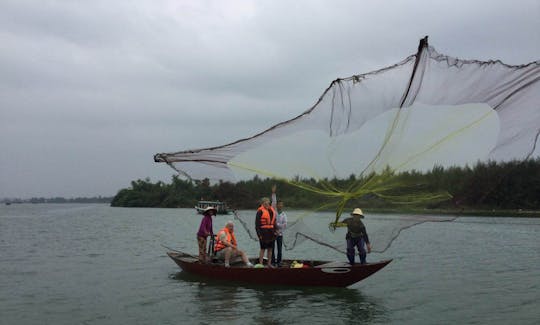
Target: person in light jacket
{"x": 281, "y": 224}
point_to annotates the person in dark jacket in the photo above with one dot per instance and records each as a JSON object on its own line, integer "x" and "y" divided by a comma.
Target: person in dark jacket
{"x": 356, "y": 236}
{"x": 205, "y": 231}
{"x": 265, "y": 226}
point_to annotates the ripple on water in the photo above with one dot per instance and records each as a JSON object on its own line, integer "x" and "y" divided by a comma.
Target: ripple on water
{"x": 102, "y": 265}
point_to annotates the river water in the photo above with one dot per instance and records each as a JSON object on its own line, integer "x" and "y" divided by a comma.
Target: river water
{"x": 93, "y": 264}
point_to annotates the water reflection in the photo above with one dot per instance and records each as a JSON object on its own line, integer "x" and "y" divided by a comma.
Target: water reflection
{"x": 238, "y": 302}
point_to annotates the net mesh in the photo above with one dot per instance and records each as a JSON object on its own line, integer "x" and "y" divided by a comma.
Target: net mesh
{"x": 427, "y": 110}
{"x": 382, "y": 229}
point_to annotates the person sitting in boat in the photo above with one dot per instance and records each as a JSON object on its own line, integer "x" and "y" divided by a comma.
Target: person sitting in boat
{"x": 226, "y": 246}
{"x": 205, "y": 230}
{"x": 356, "y": 236}
{"x": 281, "y": 224}
{"x": 265, "y": 225}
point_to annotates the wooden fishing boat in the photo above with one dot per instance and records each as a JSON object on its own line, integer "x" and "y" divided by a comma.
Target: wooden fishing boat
{"x": 313, "y": 273}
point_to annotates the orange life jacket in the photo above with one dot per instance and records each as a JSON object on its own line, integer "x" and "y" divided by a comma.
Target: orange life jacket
{"x": 230, "y": 238}
{"x": 266, "y": 221}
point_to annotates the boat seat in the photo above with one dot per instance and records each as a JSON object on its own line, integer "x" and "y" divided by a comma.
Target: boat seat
{"x": 189, "y": 259}
{"x": 334, "y": 264}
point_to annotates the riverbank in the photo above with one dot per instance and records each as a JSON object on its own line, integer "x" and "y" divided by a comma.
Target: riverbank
{"x": 461, "y": 212}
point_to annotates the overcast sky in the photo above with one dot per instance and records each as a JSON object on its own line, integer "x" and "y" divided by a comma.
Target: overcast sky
{"x": 91, "y": 90}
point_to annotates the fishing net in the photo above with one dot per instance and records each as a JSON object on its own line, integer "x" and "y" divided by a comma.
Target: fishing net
{"x": 427, "y": 110}
{"x": 382, "y": 229}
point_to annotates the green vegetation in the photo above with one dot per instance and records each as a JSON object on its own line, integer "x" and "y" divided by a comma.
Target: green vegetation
{"x": 488, "y": 186}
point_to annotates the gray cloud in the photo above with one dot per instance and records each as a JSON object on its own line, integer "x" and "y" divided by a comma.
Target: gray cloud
{"x": 89, "y": 91}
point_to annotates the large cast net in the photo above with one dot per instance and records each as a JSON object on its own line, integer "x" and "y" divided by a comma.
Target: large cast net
{"x": 427, "y": 110}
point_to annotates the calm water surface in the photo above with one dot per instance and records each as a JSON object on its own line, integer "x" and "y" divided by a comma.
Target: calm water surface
{"x": 93, "y": 264}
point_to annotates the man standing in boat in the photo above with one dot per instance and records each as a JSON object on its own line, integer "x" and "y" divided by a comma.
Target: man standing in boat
{"x": 265, "y": 225}
{"x": 356, "y": 236}
{"x": 205, "y": 230}
{"x": 281, "y": 224}
{"x": 227, "y": 246}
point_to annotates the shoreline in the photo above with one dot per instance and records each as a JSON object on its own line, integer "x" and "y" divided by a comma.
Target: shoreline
{"x": 463, "y": 212}
{"x": 455, "y": 212}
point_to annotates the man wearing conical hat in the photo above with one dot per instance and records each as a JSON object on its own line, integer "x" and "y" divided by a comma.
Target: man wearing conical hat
{"x": 356, "y": 236}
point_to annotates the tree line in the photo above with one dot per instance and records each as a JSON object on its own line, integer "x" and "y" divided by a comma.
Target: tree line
{"x": 96, "y": 199}
{"x": 487, "y": 185}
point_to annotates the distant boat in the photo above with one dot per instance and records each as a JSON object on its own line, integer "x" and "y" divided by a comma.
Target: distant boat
{"x": 220, "y": 206}
{"x": 8, "y": 203}
{"x": 311, "y": 273}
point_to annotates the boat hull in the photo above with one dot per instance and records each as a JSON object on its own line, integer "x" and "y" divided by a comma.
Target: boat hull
{"x": 319, "y": 273}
